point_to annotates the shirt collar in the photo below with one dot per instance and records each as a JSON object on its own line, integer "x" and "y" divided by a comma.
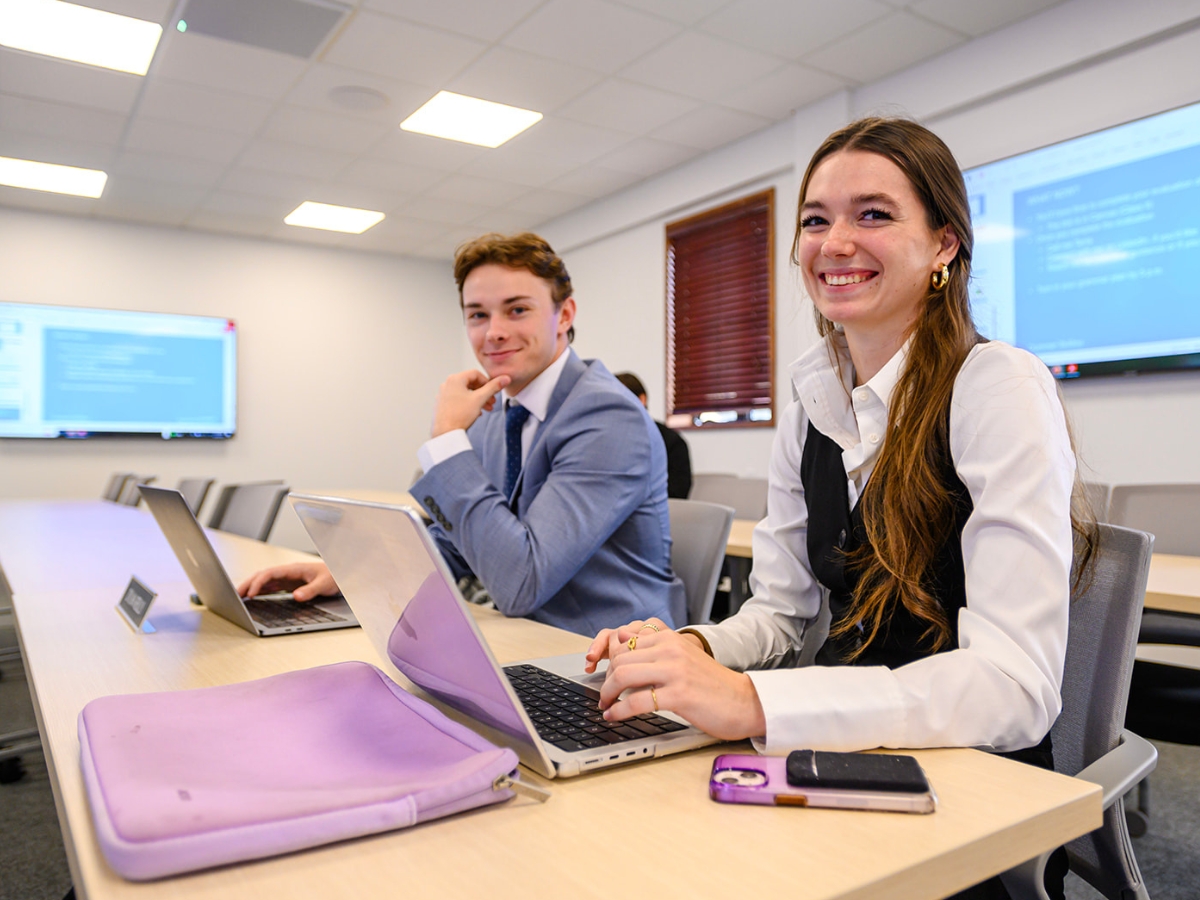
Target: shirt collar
{"x": 823, "y": 383}
{"x": 536, "y": 395}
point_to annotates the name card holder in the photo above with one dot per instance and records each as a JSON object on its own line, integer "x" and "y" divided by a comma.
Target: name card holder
{"x": 134, "y": 605}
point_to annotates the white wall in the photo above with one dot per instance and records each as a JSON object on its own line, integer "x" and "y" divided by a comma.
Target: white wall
{"x": 340, "y": 353}
{"x": 1083, "y": 65}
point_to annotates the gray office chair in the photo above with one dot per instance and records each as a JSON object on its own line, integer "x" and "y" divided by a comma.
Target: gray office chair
{"x": 1164, "y": 700}
{"x": 1090, "y": 741}
{"x": 699, "y": 533}
{"x": 1099, "y": 499}
{"x": 13, "y": 744}
{"x": 116, "y": 483}
{"x": 221, "y": 504}
{"x": 252, "y": 509}
{"x": 130, "y": 495}
{"x": 747, "y": 496}
{"x": 194, "y": 491}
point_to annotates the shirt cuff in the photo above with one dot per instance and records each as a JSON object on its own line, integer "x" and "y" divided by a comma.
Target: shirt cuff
{"x": 441, "y": 448}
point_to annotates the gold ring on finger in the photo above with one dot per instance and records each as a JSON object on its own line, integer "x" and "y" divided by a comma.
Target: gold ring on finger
{"x": 633, "y": 642}
{"x": 648, "y": 625}
{"x": 654, "y": 697}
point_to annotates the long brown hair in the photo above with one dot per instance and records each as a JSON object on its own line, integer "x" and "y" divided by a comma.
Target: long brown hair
{"x": 907, "y": 507}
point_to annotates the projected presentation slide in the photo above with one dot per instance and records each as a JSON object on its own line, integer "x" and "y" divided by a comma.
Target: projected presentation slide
{"x": 1085, "y": 250}
{"x": 73, "y": 372}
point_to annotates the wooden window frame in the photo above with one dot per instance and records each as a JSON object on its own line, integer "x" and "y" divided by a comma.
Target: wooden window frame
{"x": 693, "y": 415}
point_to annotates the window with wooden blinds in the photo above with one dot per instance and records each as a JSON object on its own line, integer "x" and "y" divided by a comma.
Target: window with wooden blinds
{"x": 720, "y": 316}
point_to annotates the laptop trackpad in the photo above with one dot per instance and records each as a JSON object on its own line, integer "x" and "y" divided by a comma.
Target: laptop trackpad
{"x": 571, "y": 666}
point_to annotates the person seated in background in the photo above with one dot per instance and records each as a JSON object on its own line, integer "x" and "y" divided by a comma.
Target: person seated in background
{"x": 556, "y": 496}
{"x": 921, "y": 481}
{"x": 679, "y": 460}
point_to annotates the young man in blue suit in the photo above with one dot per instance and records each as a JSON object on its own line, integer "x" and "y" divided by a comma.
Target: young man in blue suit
{"x": 562, "y": 514}
{"x": 544, "y": 476}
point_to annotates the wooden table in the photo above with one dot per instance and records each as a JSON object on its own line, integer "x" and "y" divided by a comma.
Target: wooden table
{"x": 650, "y": 824}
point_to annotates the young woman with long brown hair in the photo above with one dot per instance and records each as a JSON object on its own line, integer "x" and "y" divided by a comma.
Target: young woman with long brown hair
{"x": 921, "y": 482}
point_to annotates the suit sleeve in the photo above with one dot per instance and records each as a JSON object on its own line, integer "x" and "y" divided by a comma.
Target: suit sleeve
{"x": 601, "y": 470}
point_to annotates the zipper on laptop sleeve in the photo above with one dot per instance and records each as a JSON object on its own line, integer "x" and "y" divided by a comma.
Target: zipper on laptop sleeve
{"x": 521, "y": 788}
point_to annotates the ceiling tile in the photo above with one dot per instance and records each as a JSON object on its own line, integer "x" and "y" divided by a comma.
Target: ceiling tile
{"x": 470, "y": 189}
{"x": 521, "y": 79}
{"x": 210, "y": 62}
{"x": 978, "y": 17}
{"x": 296, "y": 234}
{"x": 405, "y": 147}
{"x": 628, "y": 107}
{"x": 166, "y": 167}
{"x": 387, "y": 176}
{"x": 387, "y": 202}
{"x": 710, "y": 127}
{"x": 149, "y": 201}
{"x": 883, "y": 47}
{"x": 399, "y": 50}
{"x": 645, "y": 156}
{"x": 397, "y": 234}
{"x": 227, "y": 223}
{"x": 547, "y": 203}
{"x": 795, "y": 27}
{"x": 258, "y": 206}
{"x": 60, "y": 120}
{"x": 443, "y": 246}
{"x": 594, "y": 181}
{"x": 272, "y": 156}
{"x": 184, "y": 140}
{"x": 446, "y": 212}
{"x": 506, "y": 221}
{"x": 268, "y": 184}
{"x": 40, "y": 147}
{"x": 312, "y": 92}
{"x": 486, "y": 21}
{"x": 784, "y": 90}
{"x": 517, "y": 165}
{"x": 291, "y": 124}
{"x": 566, "y": 143}
{"x": 31, "y": 75}
{"x": 590, "y": 33}
{"x": 701, "y": 66}
{"x": 686, "y": 12}
{"x": 188, "y": 104}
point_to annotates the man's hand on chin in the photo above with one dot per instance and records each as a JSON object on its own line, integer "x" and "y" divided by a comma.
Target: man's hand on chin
{"x": 463, "y": 397}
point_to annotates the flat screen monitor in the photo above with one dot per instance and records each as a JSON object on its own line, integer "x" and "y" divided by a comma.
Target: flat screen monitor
{"x": 1086, "y": 251}
{"x": 76, "y": 372}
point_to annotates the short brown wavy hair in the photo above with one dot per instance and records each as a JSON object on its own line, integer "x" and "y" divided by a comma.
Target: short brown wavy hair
{"x": 519, "y": 251}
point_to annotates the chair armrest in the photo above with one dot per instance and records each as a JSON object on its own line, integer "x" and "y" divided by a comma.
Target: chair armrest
{"x": 1122, "y": 767}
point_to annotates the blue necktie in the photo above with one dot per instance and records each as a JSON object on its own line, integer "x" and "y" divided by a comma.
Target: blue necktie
{"x": 514, "y": 421}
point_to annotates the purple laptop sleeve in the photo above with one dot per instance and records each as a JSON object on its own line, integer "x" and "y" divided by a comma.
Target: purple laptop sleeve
{"x": 185, "y": 780}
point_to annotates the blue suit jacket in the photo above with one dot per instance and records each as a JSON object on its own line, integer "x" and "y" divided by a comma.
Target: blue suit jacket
{"x": 585, "y": 543}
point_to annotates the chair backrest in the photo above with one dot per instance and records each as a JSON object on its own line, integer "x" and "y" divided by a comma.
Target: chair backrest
{"x": 1099, "y": 496}
{"x": 194, "y": 491}
{"x": 1170, "y": 512}
{"x": 747, "y": 496}
{"x": 221, "y": 504}
{"x": 252, "y": 509}
{"x": 1101, "y": 642}
{"x": 699, "y": 532}
{"x": 130, "y": 495}
{"x": 116, "y": 483}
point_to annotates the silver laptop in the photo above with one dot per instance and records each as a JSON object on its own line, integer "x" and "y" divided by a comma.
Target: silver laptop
{"x": 402, "y": 592}
{"x": 264, "y": 616}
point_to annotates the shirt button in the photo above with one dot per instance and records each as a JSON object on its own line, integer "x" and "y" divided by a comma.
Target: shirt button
{"x": 873, "y": 438}
{"x": 860, "y": 395}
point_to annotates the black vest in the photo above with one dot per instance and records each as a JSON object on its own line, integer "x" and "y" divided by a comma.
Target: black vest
{"x": 835, "y": 530}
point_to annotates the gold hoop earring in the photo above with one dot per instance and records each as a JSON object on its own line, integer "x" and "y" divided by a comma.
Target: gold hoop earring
{"x": 941, "y": 278}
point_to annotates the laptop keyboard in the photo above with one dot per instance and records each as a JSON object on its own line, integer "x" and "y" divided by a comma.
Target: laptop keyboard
{"x": 288, "y": 613}
{"x": 565, "y": 712}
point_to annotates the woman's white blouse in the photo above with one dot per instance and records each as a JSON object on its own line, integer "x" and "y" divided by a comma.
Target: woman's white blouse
{"x": 1000, "y": 689}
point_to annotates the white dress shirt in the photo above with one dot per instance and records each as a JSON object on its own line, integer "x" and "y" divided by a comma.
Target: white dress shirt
{"x": 1000, "y": 689}
{"x": 535, "y": 397}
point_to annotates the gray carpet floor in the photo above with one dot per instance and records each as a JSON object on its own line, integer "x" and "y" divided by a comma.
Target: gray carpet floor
{"x": 33, "y": 864}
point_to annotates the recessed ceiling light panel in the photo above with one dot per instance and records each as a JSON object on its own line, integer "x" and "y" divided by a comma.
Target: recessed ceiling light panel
{"x": 327, "y": 217}
{"x": 40, "y": 176}
{"x": 79, "y": 33}
{"x": 468, "y": 119}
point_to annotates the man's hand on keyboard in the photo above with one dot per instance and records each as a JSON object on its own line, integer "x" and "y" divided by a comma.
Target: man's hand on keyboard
{"x": 306, "y": 580}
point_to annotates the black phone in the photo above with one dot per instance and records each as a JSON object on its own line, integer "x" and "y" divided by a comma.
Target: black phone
{"x": 856, "y": 772}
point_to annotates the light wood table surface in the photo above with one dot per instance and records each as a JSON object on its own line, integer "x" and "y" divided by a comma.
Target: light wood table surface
{"x": 1174, "y": 584}
{"x": 648, "y": 826}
